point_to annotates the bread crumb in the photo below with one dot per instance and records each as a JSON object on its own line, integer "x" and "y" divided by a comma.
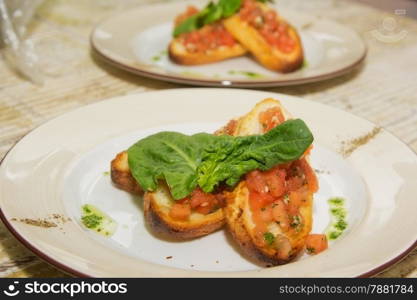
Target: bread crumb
{"x": 349, "y": 146}
{"x": 36, "y": 222}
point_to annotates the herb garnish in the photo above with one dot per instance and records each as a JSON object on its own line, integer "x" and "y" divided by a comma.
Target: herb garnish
{"x": 205, "y": 160}
{"x": 269, "y": 238}
{"x": 210, "y": 14}
{"x": 338, "y": 216}
{"x": 96, "y": 220}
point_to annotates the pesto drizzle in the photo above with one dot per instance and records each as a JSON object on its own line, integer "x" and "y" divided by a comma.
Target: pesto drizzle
{"x": 96, "y": 220}
{"x": 338, "y": 214}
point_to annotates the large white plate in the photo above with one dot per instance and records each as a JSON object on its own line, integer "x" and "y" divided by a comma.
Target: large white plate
{"x": 137, "y": 41}
{"x": 61, "y": 165}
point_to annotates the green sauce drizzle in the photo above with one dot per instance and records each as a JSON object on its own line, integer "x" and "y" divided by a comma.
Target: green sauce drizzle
{"x": 248, "y": 74}
{"x": 159, "y": 56}
{"x": 338, "y": 214}
{"x": 98, "y": 221}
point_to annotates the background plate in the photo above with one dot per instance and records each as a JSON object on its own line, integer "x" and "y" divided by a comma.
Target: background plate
{"x": 137, "y": 41}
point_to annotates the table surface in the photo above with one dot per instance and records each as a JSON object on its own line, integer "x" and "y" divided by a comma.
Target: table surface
{"x": 383, "y": 91}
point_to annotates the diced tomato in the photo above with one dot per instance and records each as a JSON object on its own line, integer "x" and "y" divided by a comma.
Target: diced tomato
{"x": 280, "y": 214}
{"x": 316, "y": 243}
{"x": 266, "y": 214}
{"x": 180, "y": 211}
{"x": 203, "y": 203}
{"x": 311, "y": 178}
{"x": 275, "y": 179}
{"x": 259, "y": 201}
{"x": 297, "y": 199}
{"x": 230, "y": 128}
{"x": 208, "y": 37}
{"x": 294, "y": 183}
{"x": 205, "y": 208}
{"x": 256, "y": 182}
{"x": 271, "y": 118}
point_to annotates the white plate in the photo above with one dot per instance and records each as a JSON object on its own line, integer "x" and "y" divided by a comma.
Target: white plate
{"x": 137, "y": 41}
{"x": 62, "y": 164}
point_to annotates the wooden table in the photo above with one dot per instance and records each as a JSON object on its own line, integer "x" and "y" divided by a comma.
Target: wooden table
{"x": 383, "y": 91}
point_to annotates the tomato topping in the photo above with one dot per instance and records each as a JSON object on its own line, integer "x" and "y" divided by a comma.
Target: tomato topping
{"x": 316, "y": 243}
{"x": 266, "y": 214}
{"x": 180, "y": 211}
{"x": 274, "y": 31}
{"x": 275, "y": 180}
{"x": 310, "y": 176}
{"x": 271, "y": 118}
{"x": 294, "y": 183}
{"x": 207, "y": 38}
{"x": 256, "y": 182}
{"x": 280, "y": 214}
{"x": 204, "y": 203}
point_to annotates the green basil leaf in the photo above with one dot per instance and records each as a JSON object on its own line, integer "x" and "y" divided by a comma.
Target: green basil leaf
{"x": 284, "y": 143}
{"x": 229, "y": 7}
{"x": 188, "y": 25}
{"x": 214, "y": 13}
{"x": 185, "y": 162}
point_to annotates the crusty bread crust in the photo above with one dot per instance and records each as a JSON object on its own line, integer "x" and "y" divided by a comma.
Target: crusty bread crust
{"x": 121, "y": 176}
{"x": 238, "y": 213}
{"x": 179, "y": 54}
{"x": 268, "y": 56}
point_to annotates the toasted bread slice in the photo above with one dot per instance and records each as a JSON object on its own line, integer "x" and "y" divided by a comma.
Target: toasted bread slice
{"x": 288, "y": 243}
{"x": 157, "y": 206}
{"x": 179, "y": 53}
{"x": 269, "y": 56}
{"x": 121, "y": 175}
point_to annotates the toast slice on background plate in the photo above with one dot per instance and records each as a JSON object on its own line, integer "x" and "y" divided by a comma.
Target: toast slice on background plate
{"x": 268, "y": 37}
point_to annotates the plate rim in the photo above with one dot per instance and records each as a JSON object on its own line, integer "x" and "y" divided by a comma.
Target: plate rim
{"x": 72, "y": 271}
{"x": 219, "y": 82}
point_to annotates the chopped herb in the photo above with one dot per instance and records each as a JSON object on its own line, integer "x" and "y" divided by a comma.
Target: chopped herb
{"x": 341, "y": 225}
{"x": 296, "y": 221}
{"x": 269, "y": 238}
{"x": 334, "y": 235}
{"x": 336, "y": 201}
{"x": 159, "y": 56}
{"x": 91, "y": 221}
{"x": 94, "y": 219}
{"x": 210, "y": 14}
{"x": 338, "y": 216}
{"x": 107, "y": 173}
{"x": 246, "y": 73}
{"x": 305, "y": 64}
{"x": 310, "y": 250}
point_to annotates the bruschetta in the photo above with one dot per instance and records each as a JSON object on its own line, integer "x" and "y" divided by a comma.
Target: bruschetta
{"x": 267, "y": 36}
{"x": 211, "y": 43}
{"x": 269, "y": 214}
